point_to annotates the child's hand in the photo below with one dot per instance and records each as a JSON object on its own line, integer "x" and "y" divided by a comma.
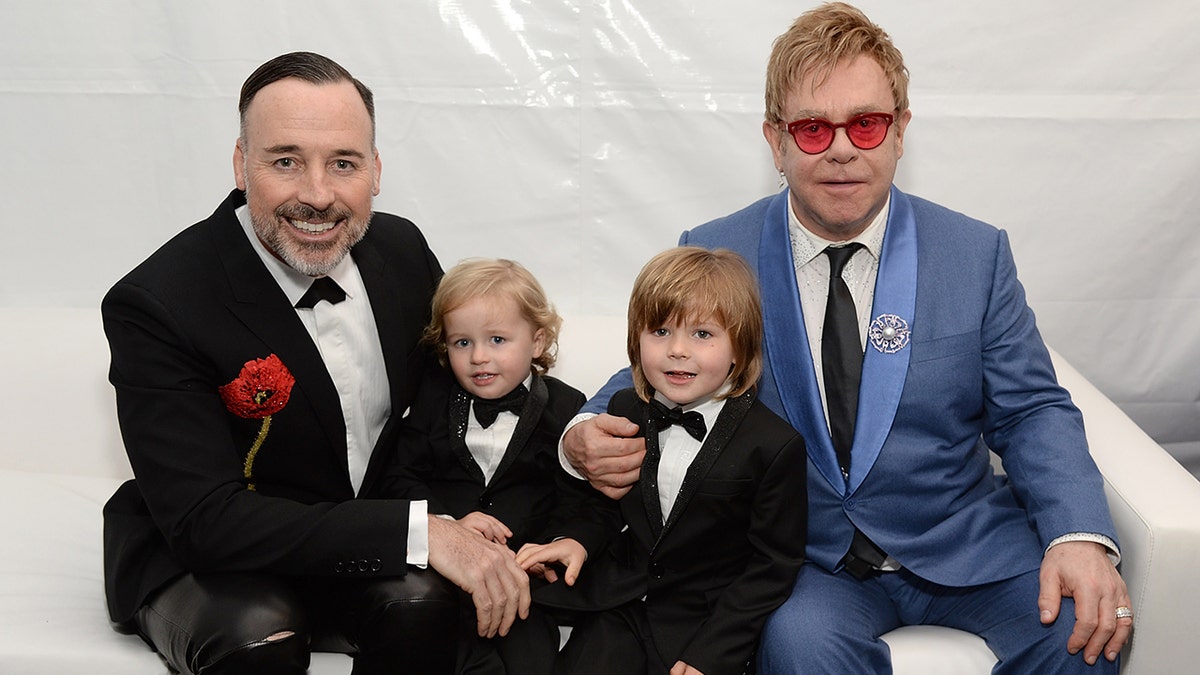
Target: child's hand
{"x": 681, "y": 668}
{"x": 488, "y": 526}
{"x": 533, "y": 558}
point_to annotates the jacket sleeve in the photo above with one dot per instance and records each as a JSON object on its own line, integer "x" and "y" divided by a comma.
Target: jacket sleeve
{"x": 421, "y": 432}
{"x": 1030, "y": 421}
{"x": 584, "y": 513}
{"x": 622, "y": 379}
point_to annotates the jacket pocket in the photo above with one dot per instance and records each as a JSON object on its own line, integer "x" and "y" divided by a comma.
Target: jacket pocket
{"x": 945, "y": 347}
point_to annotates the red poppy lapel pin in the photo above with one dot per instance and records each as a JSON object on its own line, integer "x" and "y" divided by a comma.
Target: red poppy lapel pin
{"x": 260, "y": 390}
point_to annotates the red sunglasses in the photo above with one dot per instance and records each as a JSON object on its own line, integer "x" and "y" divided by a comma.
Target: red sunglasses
{"x": 866, "y": 131}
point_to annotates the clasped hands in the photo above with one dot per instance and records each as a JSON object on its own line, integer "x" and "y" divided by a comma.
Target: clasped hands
{"x": 485, "y": 569}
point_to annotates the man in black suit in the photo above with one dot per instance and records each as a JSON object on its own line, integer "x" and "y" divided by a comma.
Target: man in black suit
{"x": 260, "y": 413}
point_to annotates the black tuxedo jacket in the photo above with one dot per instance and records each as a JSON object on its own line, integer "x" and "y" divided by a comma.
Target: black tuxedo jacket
{"x": 529, "y": 489}
{"x": 181, "y": 325}
{"x": 727, "y": 554}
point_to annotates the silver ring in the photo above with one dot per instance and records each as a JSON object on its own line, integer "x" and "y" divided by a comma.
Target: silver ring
{"x": 1124, "y": 613}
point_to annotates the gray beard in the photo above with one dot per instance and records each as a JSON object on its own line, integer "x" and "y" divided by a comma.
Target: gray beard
{"x": 285, "y": 250}
{"x": 289, "y": 251}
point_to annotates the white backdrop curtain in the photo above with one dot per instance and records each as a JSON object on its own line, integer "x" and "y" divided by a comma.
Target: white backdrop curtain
{"x": 581, "y": 137}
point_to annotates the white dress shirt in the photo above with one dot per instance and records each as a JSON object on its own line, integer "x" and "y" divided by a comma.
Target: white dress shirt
{"x": 812, "y": 279}
{"x": 678, "y": 449}
{"x": 487, "y": 446}
{"x": 348, "y": 340}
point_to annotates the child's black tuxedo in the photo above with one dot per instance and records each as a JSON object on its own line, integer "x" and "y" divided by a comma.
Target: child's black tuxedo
{"x": 524, "y": 492}
{"x": 727, "y": 554}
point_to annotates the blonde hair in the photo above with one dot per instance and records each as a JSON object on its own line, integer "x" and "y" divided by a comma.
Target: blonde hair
{"x": 688, "y": 282}
{"x": 817, "y": 41}
{"x": 481, "y": 277}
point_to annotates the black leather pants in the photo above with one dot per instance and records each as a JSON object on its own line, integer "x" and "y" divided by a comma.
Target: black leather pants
{"x": 242, "y": 624}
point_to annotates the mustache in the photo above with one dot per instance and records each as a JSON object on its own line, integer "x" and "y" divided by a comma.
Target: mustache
{"x": 311, "y": 215}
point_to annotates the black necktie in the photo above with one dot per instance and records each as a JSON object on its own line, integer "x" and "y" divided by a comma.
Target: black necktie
{"x": 486, "y": 409}
{"x": 322, "y": 288}
{"x": 841, "y": 359}
{"x": 841, "y": 356}
{"x": 692, "y": 422}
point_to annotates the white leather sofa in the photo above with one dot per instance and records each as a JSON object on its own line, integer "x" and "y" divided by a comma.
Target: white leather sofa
{"x": 61, "y": 457}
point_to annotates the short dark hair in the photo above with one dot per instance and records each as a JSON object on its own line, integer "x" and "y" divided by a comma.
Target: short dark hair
{"x": 307, "y": 66}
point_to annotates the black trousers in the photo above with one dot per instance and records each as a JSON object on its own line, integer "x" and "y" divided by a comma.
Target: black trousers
{"x": 529, "y": 648}
{"x": 246, "y": 623}
{"x": 612, "y": 641}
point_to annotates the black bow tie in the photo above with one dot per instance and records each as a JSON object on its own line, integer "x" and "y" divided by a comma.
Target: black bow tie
{"x": 692, "y": 422}
{"x": 486, "y": 409}
{"x": 322, "y": 288}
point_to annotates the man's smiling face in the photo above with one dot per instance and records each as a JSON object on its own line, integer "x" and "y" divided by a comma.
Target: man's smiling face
{"x": 309, "y": 169}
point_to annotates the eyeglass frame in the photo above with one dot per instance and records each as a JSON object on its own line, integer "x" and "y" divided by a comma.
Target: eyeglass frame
{"x": 888, "y": 120}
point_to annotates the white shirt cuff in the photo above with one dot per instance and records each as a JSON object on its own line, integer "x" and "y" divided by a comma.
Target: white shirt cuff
{"x": 562, "y": 456}
{"x": 418, "y": 533}
{"x": 1113, "y": 554}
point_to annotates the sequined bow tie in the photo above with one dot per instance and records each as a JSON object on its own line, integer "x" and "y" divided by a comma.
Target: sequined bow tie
{"x": 692, "y": 422}
{"x": 486, "y": 409}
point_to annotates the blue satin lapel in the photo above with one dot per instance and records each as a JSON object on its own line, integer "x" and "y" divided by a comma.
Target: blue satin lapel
{"x": 883, "y": 374}
{"x": 791, "y": 373}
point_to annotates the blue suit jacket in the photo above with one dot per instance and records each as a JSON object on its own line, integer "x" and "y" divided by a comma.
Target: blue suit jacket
{"x": 975, "y": 374}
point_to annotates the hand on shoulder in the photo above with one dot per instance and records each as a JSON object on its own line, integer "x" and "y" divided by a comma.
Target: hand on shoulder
{"x": 603, "y": 450}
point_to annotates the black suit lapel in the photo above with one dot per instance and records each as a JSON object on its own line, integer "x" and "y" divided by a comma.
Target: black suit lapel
{"x": 394, "y": 327}
{"x": 714, "y": 444}
{"x": 457, "y": 417}
{"x": 262, "y": 306}
{"x": 648, "y": 480}
{"x": 373, "y": 268}
{"x": 531, "y": 414}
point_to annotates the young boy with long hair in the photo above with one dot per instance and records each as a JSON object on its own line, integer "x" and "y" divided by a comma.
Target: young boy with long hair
{"x": 709, "y": 540}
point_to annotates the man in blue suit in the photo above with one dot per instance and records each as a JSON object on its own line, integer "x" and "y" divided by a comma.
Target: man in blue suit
{"x": 908, "y": 522}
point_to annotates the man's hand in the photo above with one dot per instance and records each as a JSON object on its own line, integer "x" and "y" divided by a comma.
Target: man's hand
{"x": 533, "y": 558}
{"x": 484, "y": 569}
{"x": 681, "y": 668}
{"x": 603, "y": 451}
{"x": 1082, "y": 570}
{"x": 486, "y": 525}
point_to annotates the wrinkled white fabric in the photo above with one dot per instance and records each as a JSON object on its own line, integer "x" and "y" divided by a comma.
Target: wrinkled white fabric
{"x": 582, "y": 137}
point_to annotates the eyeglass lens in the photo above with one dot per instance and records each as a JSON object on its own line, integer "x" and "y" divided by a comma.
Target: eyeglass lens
{"x": 865, "y": 131}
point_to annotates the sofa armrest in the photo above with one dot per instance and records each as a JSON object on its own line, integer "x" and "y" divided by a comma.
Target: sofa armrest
{"x": 1155, "y": 505}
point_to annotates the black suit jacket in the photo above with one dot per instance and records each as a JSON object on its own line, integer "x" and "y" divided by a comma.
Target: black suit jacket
{"x": 182, "y": 324}
{"x": 729, "y": 551}
{"x": 529, "y": 489}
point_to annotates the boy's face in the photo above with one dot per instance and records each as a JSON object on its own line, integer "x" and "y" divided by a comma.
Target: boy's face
{"x": 490, "y": 346}
{"x": 686, "y": 361}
